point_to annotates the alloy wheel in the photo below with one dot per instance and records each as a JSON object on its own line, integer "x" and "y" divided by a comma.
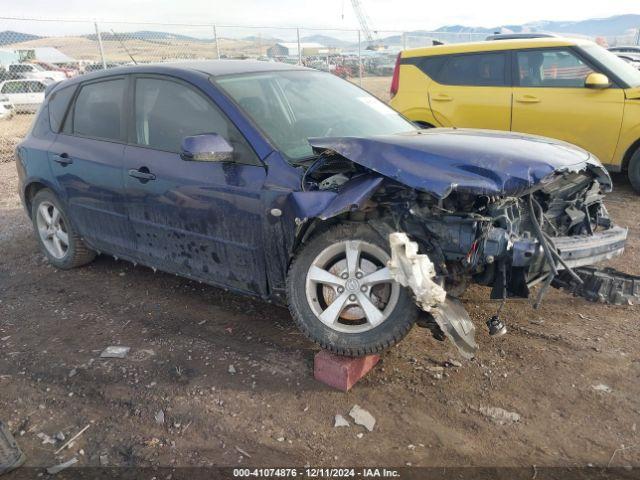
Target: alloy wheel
{"x": 349, "y": 287}
{"x": 52, "y": 230}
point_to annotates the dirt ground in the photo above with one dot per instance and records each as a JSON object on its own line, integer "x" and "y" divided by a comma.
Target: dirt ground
{"x": 184, "y": 337}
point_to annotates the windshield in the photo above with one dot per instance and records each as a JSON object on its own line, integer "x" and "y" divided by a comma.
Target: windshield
{"x": 292, "y": 106}
{"x": 627, "y": 73}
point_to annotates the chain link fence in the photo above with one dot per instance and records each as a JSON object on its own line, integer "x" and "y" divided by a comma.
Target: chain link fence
{"x": 34, "y": 52}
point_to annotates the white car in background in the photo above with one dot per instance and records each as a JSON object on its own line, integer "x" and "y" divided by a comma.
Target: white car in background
{"x": 25, "y": 95}
{"x": 33, "y": 71}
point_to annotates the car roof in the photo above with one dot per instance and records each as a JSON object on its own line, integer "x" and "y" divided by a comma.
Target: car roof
{"x": 487, "y": 46}
{"x": 208, "y": 67}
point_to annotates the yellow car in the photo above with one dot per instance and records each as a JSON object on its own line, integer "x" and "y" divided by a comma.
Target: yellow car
{"x": 567, "y": 89}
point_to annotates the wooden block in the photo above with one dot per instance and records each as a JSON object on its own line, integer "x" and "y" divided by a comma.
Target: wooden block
{"x": 341, "y": 372}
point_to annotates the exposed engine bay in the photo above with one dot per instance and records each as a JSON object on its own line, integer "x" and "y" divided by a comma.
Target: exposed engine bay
{"x": 510, "y": 242}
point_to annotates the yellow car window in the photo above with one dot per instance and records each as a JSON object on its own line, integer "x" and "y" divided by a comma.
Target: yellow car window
{"x": 551, "y": 68}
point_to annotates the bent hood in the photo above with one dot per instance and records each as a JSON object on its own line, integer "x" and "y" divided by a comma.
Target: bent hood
{"x": 481, "y": 162}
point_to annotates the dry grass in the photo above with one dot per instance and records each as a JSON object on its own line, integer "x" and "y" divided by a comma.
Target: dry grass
{"x": 12, "y": 131}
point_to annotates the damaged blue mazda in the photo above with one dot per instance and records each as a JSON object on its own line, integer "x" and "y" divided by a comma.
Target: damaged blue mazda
{"x": 297, "y": 187}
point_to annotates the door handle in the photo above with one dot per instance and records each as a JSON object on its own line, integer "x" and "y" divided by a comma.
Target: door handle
{"x": 143, "y": 174}
{"x": 63, "y": 159}
{"x": 441, "y": 97}
{"x": 527, "y": 99}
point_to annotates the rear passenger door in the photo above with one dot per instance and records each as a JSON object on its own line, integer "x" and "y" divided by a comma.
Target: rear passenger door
{"x": 201, "y": 219}
{"x": 473, "y": 91}
{"x": 86, "y": 160}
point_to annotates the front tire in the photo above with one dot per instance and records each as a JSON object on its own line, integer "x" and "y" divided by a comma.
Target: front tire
{"x": 341, "y": 294}
{"x": 58, "y": 239}
{"x": 634, "y": 171}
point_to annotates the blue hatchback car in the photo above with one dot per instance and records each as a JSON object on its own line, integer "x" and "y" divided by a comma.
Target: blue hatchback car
{"x": 298, "y": 187}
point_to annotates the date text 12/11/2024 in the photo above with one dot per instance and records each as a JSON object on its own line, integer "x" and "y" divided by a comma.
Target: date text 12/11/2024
{"x": 315, "y": 473}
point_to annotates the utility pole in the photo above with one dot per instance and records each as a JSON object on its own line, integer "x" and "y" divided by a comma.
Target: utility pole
{"x": 359, "y": 60}
{"x": 215, "y": 39}
{"x": 99, "y": 38}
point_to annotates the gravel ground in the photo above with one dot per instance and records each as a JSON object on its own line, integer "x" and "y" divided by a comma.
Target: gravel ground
{"x": 184, "y": 337}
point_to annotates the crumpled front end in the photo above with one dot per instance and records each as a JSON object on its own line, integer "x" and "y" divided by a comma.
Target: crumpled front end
{"x": 538, "y": 223}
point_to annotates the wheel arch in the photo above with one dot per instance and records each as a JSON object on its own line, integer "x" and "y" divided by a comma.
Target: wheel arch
{"x": 635, "y": 146}
{"x": 30, "y": 191}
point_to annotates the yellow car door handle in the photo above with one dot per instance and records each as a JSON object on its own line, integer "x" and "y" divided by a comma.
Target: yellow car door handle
{"x": 527, "y": 99}
{"x": 441, "y": 97}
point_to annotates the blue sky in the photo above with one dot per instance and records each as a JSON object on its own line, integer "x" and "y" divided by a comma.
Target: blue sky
{"x": 384, "y": 14}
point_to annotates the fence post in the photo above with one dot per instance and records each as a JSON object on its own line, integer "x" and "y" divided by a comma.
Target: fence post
{"x": 104, "y": 63}
{"x": 638, "y": 37}
{"x": 215, "y": 39}
{"x": 359, "y": 60}
{"x": 404, "y": 40}
{"x": 299, "y": 47}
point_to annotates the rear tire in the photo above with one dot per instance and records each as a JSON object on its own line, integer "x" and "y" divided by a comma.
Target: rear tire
{"x": 58, "y": 239}
{"x": 634, "y": 171}
{"x": 373, "y": 313}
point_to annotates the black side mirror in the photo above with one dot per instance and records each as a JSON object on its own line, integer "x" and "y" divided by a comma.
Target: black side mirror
{"x": 207, "y": 147}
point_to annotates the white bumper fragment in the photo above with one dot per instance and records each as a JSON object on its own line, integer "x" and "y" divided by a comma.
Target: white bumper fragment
{"x": 414, "y": 270}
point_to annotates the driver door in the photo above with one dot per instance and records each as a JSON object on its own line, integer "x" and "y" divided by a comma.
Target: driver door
{"x": 200, "y": 219}
{"x": 550, "y": 99}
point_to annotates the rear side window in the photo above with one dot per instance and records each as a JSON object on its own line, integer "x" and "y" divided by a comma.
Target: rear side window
{"x": 551, "y": 68}
{"x": 431, "y": 66}
{"x": 481, "y": 70}
{"x": 58, "y": 104}
{"x": 98, "y": 110}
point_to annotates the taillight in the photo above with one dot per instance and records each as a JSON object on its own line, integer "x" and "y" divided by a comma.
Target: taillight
{"x": 395, "y": 80}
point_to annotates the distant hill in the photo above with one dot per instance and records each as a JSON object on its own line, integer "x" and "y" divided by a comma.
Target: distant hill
{"x": 262, "y": 38}
{"x": 8, "y": 37}
{"x": 616, "y": 25}
{"x": 146, "y": 35}
{"x": 326, "y": 40}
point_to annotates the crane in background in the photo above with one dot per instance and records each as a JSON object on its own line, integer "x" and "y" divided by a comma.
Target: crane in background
{"x": 373, "y": 43}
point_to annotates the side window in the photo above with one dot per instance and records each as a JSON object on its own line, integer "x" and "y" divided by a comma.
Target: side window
{"x": 551, "y": 68}
{"x": 166, "y": 111}
{"x": 97, "y": 111}
{"x": 14, "y": 87}
{"x": 58, "y": 104}
{"x": 36, "y": 87}
{"x": 478, "y": 69}
{"x": 431, "y": 66}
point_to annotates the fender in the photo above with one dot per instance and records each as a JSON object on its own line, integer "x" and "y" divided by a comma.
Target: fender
{"x": 630, "y": 132}
{"x": 325, "y": 204}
